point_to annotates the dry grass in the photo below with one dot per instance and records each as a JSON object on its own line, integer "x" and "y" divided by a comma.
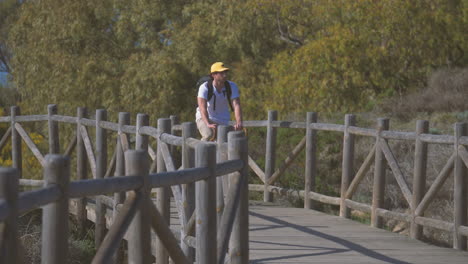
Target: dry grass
{"x": 81, "y": 250}
{"x": 446, "y": 91}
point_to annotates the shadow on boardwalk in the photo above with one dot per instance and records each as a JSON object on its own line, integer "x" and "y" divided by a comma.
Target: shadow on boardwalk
{"x": 292, "y": 235}
{"x": 324, "y": 250}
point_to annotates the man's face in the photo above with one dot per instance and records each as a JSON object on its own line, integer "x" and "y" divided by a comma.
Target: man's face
{"x": 220, "y": 76}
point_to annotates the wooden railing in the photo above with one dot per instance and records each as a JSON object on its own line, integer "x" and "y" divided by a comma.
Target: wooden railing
{"x": 381, "y": 156}
{"x": 131, "y": 214}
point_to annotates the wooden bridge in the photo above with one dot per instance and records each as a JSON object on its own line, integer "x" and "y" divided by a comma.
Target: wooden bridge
{"x": 210, "y": 220}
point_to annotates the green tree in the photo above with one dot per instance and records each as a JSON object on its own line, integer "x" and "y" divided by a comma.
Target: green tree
{"x": 8, "y": 12}
{"x": 356, "y": 52}
{"x": 293, "y": 56}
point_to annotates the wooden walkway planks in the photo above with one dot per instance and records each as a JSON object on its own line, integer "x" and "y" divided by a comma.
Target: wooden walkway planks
{"x": 294, "y": 235}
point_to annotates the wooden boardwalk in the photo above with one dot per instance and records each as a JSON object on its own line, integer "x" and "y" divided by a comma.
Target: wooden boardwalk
{"x": 294, "y": 235}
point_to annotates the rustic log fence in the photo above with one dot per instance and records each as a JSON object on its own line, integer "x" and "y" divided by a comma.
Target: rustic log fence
{"x": 380, "y": 157}
{"x": 130, "y": 213}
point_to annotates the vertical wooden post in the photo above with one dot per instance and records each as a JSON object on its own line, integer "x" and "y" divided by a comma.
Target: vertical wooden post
{"x": 311, "y": 159}
{"x": 16, "y": 141}
{"x": 237, "y": 149}
{"x": 162, "y": 196}
{"x": 174, "y": 121}
{"x": 55, "y": 215}
{"x": 9, "y": 182}
{"x": 239, "y": 241}
{"x": 101, "y": 167}
{"x": 81, "y": 171}
{"x": 378, "y": 189}
{"x": 270, "y": 155}
{"x": 347, "y": 167}
{"x": 221, "y": 155}
{"x": 141, "y": 141}
{"x": 188, "y": 190}
{"x": 460, "y": 190}
{"x": 206, "y": 205}
{"x": 124, "y": 119}
{"x": 419, "y": 178}
{"x": 54, "y": 141}
{"x": 139, "y": 235}
{"x": 119, "y": 198}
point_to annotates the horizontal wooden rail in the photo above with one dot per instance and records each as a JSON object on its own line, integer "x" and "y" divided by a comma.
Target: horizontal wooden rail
{"x": 434, "y": 223}
{"x": 358, "y": 206}
{"x": 393, "y": 215}
{"x": 362, "y": 131}
{"x": 94, "y": 187}
{"x": 296, "y": 193}
{"x": 165, "y": 179}
{"x": 64, "y": 119}
{"x": 31, "y": 183}
{"x": 429, "y": 138}
{"x": 37, "y": 198}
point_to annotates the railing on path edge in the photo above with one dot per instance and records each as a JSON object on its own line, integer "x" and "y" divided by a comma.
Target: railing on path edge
{"x": 380, "y": 156}
{"x": 193, "y": 186}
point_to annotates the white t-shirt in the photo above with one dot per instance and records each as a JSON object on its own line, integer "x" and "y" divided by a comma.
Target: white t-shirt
{"x": 222, "y": 113}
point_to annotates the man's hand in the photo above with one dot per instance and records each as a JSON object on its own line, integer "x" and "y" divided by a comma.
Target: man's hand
{"x": 212, "y": 126}
{"x": 238, "y": 126}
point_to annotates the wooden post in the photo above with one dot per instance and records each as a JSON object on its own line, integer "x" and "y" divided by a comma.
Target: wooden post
{"x": 54, "y": 142}
{"x": 378, "y": 189}
{"x": 220, "y": 181}
{"x": 206, "y": 205}
{"x": 9, "y": 182}
{"x": 139, "y": 234}
{"x": 347, "y": 173}
{"x": 239, "y": 242}
{"x": 55, "y": 215}
{"x": 188, "y": 190}
{"x": 16, "y": 141}
{"x": 162, "y": 196}
{"x": 119, "y": 198}
{"x": 174, "y": 121}
{"x": 141, "y": 142}
{"x": 101, "y": 167}
{"x": 311, "y": 160}
{"x": 124, "y": 119}
{"x": 81, "y": 172}
{"x": 419, "y": 178}
{"x": 237, "y": 149}
{"x": 460, "y": 190}
{"x": 270, "y": 155}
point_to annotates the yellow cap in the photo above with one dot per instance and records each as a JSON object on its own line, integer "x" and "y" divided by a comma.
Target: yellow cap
{"x": 218, "y": 67}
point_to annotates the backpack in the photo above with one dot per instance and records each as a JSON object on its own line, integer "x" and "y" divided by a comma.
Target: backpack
{"x": 207, "y": 78}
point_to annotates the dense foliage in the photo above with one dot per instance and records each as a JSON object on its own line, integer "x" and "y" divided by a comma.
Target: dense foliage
{"x": 289, "y": 55}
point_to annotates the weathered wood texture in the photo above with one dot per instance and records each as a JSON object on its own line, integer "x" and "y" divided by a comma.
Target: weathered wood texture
{"x": 311, "y": 160}
{"x": 381, "y": 155}
{"x": 55, "y": 215}
{"x": 270, "y": 153}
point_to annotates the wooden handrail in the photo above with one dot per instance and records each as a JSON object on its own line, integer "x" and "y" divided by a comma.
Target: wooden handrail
{"x": 176, "y": 178}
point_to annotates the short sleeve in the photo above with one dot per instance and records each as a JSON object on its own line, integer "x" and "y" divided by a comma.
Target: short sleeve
{"x": 203, "y": 91}
{"x": 234, "y": 90}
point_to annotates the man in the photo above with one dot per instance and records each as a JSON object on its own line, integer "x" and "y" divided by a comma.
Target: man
{"x": 214, "y": 111}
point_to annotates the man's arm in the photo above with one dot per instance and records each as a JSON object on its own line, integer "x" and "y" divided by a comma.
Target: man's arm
{"x": 202, "y": 105}
{"x": 237, "y": 113}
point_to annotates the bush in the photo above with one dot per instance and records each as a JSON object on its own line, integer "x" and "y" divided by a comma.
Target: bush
{"x": 446, "y": 92}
